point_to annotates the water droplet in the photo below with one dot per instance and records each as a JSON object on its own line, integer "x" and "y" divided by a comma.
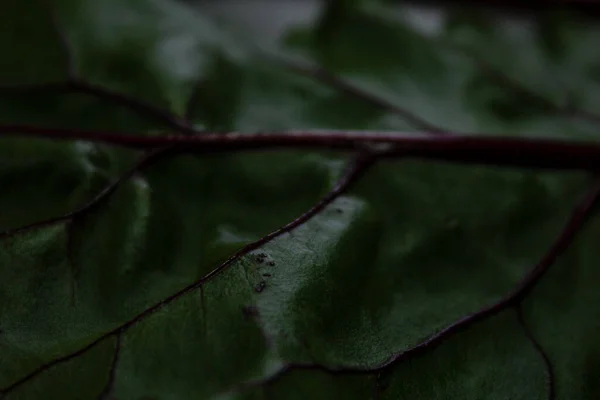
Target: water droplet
{"x": 260, "y": 287}
{"x": 260, "y": 257}
{"x": 250, "y": 311}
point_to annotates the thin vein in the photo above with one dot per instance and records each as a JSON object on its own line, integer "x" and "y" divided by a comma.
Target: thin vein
{"x": 352, "y": 174}
{"x": 379, "y": 385}
{"x": 158, "y": 114}
{"x": 145, "y": 161}
{"x": 345, "y": 86}
{"x": 506, "y": 80}
{"x": 538, "y": 347}
{"x": 108, "y": 389}
{"x": 579, "y": 217}
{"x": 78, "y": 86}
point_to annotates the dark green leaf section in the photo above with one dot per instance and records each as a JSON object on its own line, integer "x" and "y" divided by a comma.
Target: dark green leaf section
{"x": 564, "y": 316}
{"x": 552, "y": 56}
{"x": 461, "y": 368}
{"x": 63, "y": 187}
{"x": 30, "y": 44}
{"x": 145, "y": 243}
{"x": 471, "y": 73}
{"x": 318, "y": 311}
{"x": 300, "y": 384}
{"x": 413, "y": 272}
{"x": 277, "y": 98}
{"x": 82, "y": 377}
{"x": 109, "y": 38}
{"x": 320, "y": 385}
{"x": 205, "y": 334}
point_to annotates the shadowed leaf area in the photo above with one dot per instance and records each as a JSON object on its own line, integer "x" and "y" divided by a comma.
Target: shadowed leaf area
{"x": 170, "y": 286}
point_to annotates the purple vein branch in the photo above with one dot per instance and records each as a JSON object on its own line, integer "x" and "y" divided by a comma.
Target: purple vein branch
{"x": 78, "y": 86}
{"x": 353, "y": 172}
{"x": 144, "y": 161}
{"x": 579, "y": 217}
{"x": 508, "y": 81}
{"x": 469, "y": 149}
{"x": 113, "y": 368}
{"x": 349, "y": 88}
{"x": 538, "y": 347}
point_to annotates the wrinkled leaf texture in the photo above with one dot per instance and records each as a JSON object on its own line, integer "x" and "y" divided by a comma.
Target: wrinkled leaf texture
{"x": 92, "y": 306}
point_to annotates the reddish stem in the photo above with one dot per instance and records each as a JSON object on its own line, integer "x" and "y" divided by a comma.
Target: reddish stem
{"x": 472, "y": 149}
